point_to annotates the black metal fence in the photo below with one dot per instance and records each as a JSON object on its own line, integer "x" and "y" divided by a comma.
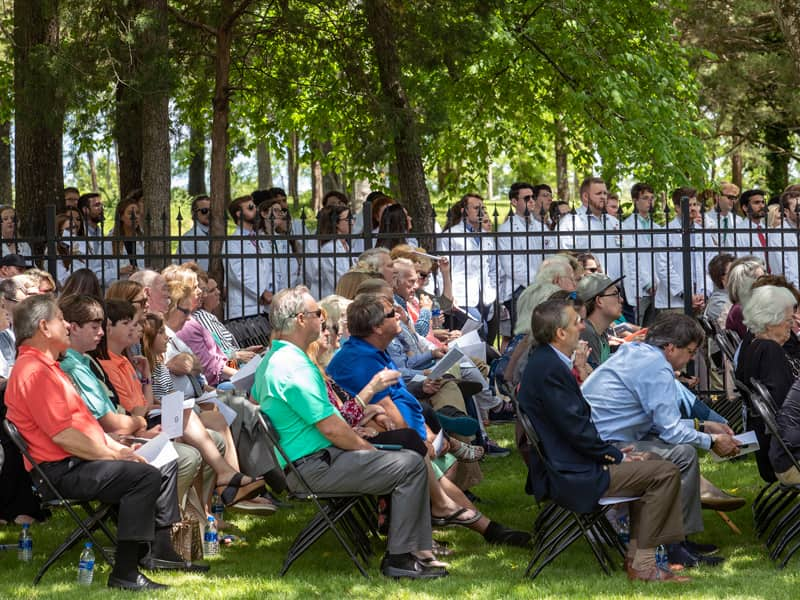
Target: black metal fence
{"x": 665, "y": 266}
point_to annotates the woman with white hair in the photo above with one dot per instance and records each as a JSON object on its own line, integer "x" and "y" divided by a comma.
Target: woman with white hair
{"x": 741, "y": 276}
{"x": 769, "y": 316}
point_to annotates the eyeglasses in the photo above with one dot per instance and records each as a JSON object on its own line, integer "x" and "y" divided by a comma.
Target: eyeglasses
{"x": 616, "y": 293}
{"x": 731, "y": 197}
{"x": 317, "y": 312}
{"x": 203, "y": 211}
{"x": 250, "y": 206}
{"x": 691, "y": 351}
{"x": 323, "y": 326}
{"x": 390, "y": 315}
{"x": 186, "y": 311}
{"x": 423, "y": 274}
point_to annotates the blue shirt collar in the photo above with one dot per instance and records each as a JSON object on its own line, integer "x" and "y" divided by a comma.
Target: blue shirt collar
{"x": 564, "y": 358}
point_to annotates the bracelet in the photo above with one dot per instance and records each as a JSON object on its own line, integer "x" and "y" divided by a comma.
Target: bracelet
{"x": 360, "y": 401}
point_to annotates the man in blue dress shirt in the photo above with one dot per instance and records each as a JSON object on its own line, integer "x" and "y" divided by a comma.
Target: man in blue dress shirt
{"x": 634, "y": 400}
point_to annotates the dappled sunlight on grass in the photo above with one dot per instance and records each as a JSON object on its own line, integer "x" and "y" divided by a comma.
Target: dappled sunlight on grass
{"x": 478, "y": 571}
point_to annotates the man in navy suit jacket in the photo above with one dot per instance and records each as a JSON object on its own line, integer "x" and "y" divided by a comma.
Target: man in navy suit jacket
{"x": 579, "y": 468}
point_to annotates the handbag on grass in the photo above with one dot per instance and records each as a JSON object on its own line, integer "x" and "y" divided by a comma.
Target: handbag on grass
{"x": 186, "y": 539}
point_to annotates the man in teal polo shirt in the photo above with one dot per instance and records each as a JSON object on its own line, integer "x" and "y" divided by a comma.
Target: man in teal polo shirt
{"x": 326, "y": 451}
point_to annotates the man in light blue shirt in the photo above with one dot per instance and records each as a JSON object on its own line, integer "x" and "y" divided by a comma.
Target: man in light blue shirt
{"x": 635, "y": 401}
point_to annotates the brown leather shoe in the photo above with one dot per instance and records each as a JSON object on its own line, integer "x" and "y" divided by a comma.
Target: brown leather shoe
{"x": 713, "y": 498}
{"x": 721, "y": 501}
{"x": 656, "y": 574}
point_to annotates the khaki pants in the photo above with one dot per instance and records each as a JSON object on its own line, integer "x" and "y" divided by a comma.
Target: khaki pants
{"x": 656, "y": 517}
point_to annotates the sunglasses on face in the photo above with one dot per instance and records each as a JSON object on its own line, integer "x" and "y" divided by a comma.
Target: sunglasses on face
{"x": 317, "y": 312}
{"x": 203, "y": 211}
{"x": 390, "y": 315}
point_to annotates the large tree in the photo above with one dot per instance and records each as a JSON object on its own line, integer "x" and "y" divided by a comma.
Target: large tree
{"x": 38, "y": 111}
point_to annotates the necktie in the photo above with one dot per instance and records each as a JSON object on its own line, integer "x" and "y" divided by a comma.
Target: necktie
{"x": 762, "y": 239}
{"x": 725, "y": 233}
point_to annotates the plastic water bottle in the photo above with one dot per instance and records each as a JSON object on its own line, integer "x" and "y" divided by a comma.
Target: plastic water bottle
{"x": 25, "y": 544}
{"x": 210, "y": 539}
{"x": 86, "y": 565}
{"x": 217, "y": 507}
{"x": 225, "y": 391}
{"x": 662, "y": 560}
{"x": 624, "y": 530}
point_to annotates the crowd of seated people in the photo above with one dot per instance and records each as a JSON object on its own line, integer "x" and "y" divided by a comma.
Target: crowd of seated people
{"x": 349, "y": 367}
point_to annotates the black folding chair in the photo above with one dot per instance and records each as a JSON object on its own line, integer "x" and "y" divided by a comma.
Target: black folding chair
{"x": 350, "y": 518}
{"x": 556, "y": 528}
{"x": 96, "y": 514}
{"x": 250, "y": 331}
{"x": 787, "y": 527}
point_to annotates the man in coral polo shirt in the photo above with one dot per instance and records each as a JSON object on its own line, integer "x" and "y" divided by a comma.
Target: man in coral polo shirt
{"x": 75, "y": 453}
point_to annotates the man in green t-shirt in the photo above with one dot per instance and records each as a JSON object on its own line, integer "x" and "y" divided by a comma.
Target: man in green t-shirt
{"x": 325, "y": 450}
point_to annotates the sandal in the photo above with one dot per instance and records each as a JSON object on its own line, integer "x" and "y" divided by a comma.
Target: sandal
{"x": 234, "y": 491}
{"x": 452, "y": 518}
{"x": 466, "y": 453}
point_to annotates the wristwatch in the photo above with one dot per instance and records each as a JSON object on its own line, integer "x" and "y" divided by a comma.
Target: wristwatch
{"x": 713, "y": 439}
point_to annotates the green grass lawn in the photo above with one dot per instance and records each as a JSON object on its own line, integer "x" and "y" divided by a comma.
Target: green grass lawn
{"x": 477, "y": 570}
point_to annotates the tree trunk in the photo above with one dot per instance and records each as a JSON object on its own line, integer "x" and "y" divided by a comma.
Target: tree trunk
{"x": 787, "y": 13}
{"x": 219, "y": 142}
{"x": 264, "y": 161}
{"x": 127, "y": 111}
{"x": 779, "y": 145}
{"x": 38, "y": 112}
{"x": 400, "y": 113}
{"x": 197, "y": 168}
{"x": 153, "y": 49}
{"x": 92, "y": 169}
{"x": 316, "y": 185}
{"x": 736, "y": 165}
{"x": 6, "y": 191}
{"x": 294, "y": 168}
{"x": 562, "y": 177}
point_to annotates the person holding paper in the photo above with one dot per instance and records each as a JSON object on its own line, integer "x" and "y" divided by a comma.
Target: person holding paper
{"x": 136, "y": 396}
{"x": 373, "y": 324}
{"x": 78, "y": 457}
{"x": 634, "y": 401}
{"x": 580, "y": 467}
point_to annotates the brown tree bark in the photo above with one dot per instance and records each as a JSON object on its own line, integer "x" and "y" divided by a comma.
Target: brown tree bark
{"x": 562, "y": 177}
{"x": 787, "y": 13}
{"x": 38, "y": 112}
{"x": 6, "y": 191}
{"x": 128, "y": 135}
{"x": 153, "y": 47}
{"x": 197, "y": 168}
{"x": 736, "y": 167}
{"x": 264, "y": 165}
{"x": 219, "y": 142}
{"x": 293, "y": 168}
{"x": 400, "y": 113}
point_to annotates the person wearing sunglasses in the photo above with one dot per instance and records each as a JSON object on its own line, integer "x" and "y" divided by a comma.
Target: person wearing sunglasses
{"x": 603, "y": 302}
{"x": 194, "y": 242}
{"x": 250, "y": 271}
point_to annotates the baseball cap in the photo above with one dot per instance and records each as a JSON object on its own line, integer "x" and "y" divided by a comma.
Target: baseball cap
{"x": 592, "y": 285}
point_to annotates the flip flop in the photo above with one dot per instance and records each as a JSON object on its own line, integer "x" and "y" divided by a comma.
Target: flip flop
{"x": 452, "y": 519}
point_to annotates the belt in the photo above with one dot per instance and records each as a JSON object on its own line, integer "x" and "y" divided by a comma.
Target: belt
{"x": 318, "y": 455}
